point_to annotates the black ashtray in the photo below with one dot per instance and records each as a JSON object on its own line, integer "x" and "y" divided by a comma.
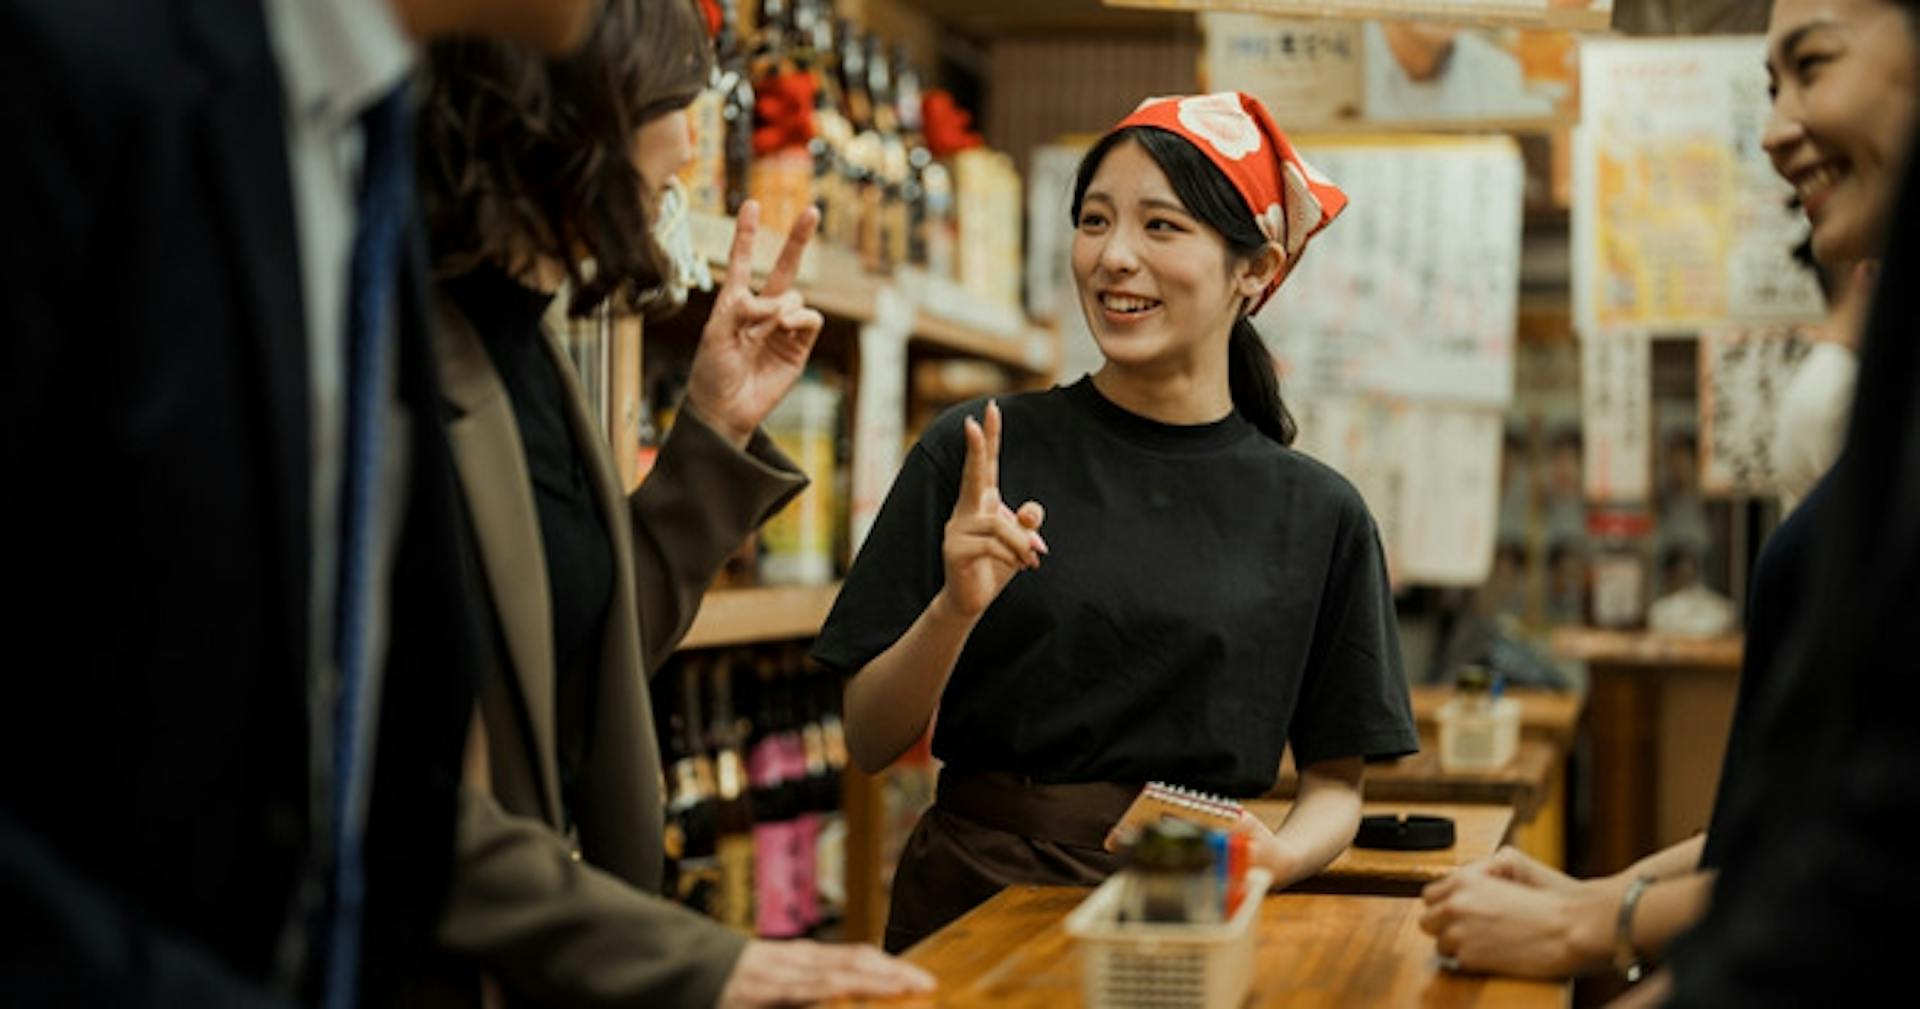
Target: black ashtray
{"x": 1405, "y": 833}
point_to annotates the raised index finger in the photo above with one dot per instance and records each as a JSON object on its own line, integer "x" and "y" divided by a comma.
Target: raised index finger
{"x": 746, "y": 225}
{"x": 973, "y": 479}
{"x": 787, "y": 266}
{"x": 990, "y": 459}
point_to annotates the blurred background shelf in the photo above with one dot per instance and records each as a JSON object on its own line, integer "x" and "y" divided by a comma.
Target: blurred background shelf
{"x": 770, "y": 613}
{"x": 947, "y": 320}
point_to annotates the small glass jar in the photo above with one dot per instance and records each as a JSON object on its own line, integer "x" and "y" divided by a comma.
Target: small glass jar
{"x": 1479, "y": 729}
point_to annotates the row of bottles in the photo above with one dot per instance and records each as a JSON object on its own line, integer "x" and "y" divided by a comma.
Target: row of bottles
{"x": 755, "y": 835}
{"x": 806, "y": 108}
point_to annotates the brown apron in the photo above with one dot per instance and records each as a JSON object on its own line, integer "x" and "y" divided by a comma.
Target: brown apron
{"x": 990, "y": 830}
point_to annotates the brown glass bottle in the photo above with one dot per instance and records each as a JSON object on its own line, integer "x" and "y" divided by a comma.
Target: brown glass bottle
{"x": 733, "y": 810}
{"x": 694, "y": 870}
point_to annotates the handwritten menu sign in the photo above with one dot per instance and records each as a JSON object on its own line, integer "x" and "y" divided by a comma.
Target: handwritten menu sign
{"x": 1679, "y": 220}
{"x": 1307, "y": 72}
{"x": 1320, "y": 74}
{"x": 1576, "y": 14}
{"x": 1430, "y": 474}
{"x": 1413, "y": 291}
{"x": 1744, "y": 371}
{"x": 1616, "y": 416}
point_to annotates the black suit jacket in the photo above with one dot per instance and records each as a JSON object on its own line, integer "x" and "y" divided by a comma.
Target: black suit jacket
{"x": 154, "y": 446}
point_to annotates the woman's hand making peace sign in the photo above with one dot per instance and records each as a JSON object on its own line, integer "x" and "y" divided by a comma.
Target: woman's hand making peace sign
{"x": 986, "y": 542}
{"x": 755, "y": 345}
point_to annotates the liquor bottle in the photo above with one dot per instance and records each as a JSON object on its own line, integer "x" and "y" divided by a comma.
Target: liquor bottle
{"x": 814, "y": 28}
{"x": 940, "y": 233}
{"x": 775, "y": 20}
{"x": 814, "y": 801}
{"x": 783, "y": 170}
{"x": 851, "y": 67}
{"x": 906, "y": 93}
{"x": 735, "y": 85}
{"x": 773, "y": 45}
{"x": 691, "y": 802}
{"x": 830, "y": 839}
{"x": 733, "y": 810}
{"x": 894, "y": 167}
{"x": 779, "y": 911}
{"x": 906, "y": 85}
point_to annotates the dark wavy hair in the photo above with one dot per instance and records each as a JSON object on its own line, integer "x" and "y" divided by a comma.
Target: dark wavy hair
{"x": 1207, "y": 194}
{"x": 523, "y": 156}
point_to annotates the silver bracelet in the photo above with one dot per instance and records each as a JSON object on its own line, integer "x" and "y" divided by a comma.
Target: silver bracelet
{"x": 1626, "y": 959}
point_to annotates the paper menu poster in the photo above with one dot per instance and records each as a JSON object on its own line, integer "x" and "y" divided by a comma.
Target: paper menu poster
{"x": 1744, "y": 372}
{"x": 1616, "y": 416}
{"x": 1413, "y": 291}
{"x": 1679, "y": 221}
{"x": 1430, "y": 475}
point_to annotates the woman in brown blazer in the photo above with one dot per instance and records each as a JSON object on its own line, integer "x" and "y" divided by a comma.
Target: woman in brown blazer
{"x": 531, "y": 169}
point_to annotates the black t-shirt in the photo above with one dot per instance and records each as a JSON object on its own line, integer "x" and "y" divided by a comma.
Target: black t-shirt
{"x": 1209, "y": 595}
{"x": 1782, "y": 577}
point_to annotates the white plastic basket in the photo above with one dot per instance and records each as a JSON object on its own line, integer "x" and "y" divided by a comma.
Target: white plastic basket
{"x": 1139, "y": 965}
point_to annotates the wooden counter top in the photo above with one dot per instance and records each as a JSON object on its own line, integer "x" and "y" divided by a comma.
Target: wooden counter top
{"x": 1639, "y": 649}
{"x": 1522, "y": 784}
{"x": 1478, "y": 829}
{"x": 1316, "y": 951}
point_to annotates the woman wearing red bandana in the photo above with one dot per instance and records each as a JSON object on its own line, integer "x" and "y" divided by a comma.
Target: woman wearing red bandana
{"x": 1202, "y": 596}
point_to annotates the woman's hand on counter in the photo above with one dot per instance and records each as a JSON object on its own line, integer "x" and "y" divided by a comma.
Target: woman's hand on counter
{"x": 803, "y": 973}
{"x": 1512, "y": 915}
{"x": 1513, "y": 865}
{"x": 755, "y": 344}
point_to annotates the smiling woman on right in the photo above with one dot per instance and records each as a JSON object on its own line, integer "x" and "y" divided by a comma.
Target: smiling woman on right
{"x": 1843, "y": 79}
{"x": 1842, "y": 74}
{"x": 1843, "y": 84}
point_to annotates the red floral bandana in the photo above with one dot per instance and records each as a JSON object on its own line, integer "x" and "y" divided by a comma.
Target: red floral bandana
{"x": 1288, "y": 198}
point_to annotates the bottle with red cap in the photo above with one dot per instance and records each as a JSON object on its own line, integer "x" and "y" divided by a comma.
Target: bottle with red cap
{"x": 1617, "y": 586}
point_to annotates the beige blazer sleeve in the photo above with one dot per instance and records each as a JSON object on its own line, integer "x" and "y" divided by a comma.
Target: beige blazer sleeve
{"x": 559, "y": 932}
{"x": 700, "y": 501}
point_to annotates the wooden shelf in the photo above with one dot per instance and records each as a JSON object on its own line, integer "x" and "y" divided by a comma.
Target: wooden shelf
{"x": 773, "y": 613}
{"x": 946, "y": 319}
{"x": 1032, "y": 349}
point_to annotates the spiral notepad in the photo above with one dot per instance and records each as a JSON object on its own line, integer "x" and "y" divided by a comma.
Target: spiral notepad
{"x": 1159, "y": 801}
